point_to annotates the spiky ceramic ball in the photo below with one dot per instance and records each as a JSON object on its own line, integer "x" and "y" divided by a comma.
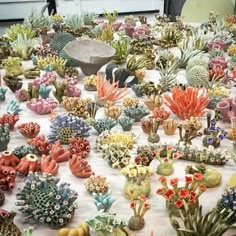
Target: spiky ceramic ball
{"x": 68, "y": 126}
{"x": 43, "y": 200}
{"x": 197, "y": 76}
{"x": 196, "y": 61}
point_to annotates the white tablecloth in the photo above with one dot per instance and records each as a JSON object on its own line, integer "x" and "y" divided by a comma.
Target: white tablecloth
{"x": 157, "y": 217}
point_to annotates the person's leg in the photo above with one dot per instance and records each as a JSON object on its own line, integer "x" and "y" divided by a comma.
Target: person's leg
{"x": 52, "y": 9}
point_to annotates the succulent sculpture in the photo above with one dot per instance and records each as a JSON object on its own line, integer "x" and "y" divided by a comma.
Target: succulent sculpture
{"x": 187, "y": 103}
{"x": 5, "y": 48}
{"x": 116, "y": 154}
{"x": 122, "y": 51}
{"x": 136, "y": 222}
{"x": 141, "y": 43}
{"x": 126, "y": 123}
{"x": 22, "y": 150}
{"x": 5, "y": 136}
{"x": 107, "y": 34}
{"x": 7, "y": 226}
{"x": 103, "y": 202}
{"x": 211, "y": 177}
{"x": 108, "y": 224}
{"x": 97, "y": 184}
{"x": 13, "y": 66}
{"x": 149, "y": 88}
{"x": 136, "y": 112}
{"x": 47, "y": 196}
{"x": 196, "y": 61}
{"x": 199, "y": 224}
{"x": 72, "y": 127}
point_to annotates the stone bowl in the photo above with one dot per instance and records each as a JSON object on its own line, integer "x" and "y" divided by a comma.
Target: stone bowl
{"x": 91, "y": 54}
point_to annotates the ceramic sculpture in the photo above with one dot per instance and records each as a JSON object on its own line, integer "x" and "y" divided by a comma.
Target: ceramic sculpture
{"x": 5, "y": 136}
{"x": 7, "y": 177}
{"x": 101, "y": 125}
{"x": 126, "y": 123}
{"x": 29, "y": 130}
{"x": 58, "y": 153}
{"x": 145, "y": 155}
{"x": 97, "y": 184}
{"x": 41, "y": 144}
{"x": 49, "y": 165}
{"x": 7, "y": 158}
{"x": 81, "y": 230}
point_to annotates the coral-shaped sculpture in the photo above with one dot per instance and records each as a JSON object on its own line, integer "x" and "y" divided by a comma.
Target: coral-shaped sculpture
{"x": 101, "y": 125}
{"x": 44, "y": 50}
{"x": 2, "y": 93}
{"x": 80, "y": 167}
{"x": 103, "y": 202}
{"x": 45, "y": 201}
{"x": 81, "y": 230}
{"x": 196, "y": 61}
{"x": 29, "y": 130}
{"x": 69, "y": 126}
{"x": 80, "y": 107}
{"x": 130, "y": 102}
{"x": 96, "y": 184}
{"x": 58, "y": 153}
{"x": 112, "y": 111}
{"x": 21, "y": 95}
{"x": 7, "y": 226}
{"x": 169, "y": 126}
{"x": 116, "y": 154}
{"x": 49, "y": 165}
{"x": 71, "y": 80}
{"x": 69, "y": 103}
{"x": 136, "y": 112}
{"x": 28, "y": 231}
{"x": 7, "y": 177}
{"x": 90, "y": 83}
{"x": 2, "y": 198}
{"x": 42, "y": 106}
{"x": 41, "y": 144}
{"x": 108, "y": 92}
{"x": 108, "y": 224}
{"x": 153, "y": 102}
{"x": 13, "y": 66}
{"x": 9, "y": 119}
{"x": 79, "y": 146}
{"x": 126, "y": 123}
{"x": 44, "y": 91}
{"x": 9, "y": 159}
{"x": 13, "y": 83}
{"x": 161, "y": 113}
{"x": 145, "y": 155}
{"x": 190, "y": 102}
{"x": 227, "y": 108}
{"x": 217, "y": 73}
{"x": 5, "y": 136}
{"x": 46, "y": 79}
{"x": 136, "y": 222}
{"x": 27, "y": 164}
{"x": 22, "y": 150}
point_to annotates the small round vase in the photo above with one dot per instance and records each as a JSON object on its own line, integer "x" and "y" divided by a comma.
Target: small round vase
{"x": 214, "y": 144}
{"x": 136, "y": 223}
{"x": 165, "y": 169}
{"x": 137, "y": 190}
{"x": 173, "y": 210}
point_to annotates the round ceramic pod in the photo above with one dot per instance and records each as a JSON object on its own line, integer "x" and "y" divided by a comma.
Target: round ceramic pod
{"x": 90, "y": 54}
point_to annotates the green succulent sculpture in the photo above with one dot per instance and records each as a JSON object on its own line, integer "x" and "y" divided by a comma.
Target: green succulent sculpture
{"x": 196, "y": 61}
{"x": 16, "y": 29}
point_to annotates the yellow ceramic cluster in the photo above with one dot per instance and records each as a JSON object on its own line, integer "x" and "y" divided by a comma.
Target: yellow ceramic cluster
{"x": 129, "y": 102}
{"x": 91, "y": 80}
{"x": 57, "y": 63}
{"x": 232, "y": 50}
{"x": 133, "y": 170}
{"x": 219, "y": 92}
{"x": 57, "y": 18}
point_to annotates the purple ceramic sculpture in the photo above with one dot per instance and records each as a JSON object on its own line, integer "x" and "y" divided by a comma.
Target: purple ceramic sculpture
{"x": 219, "y": 61}
{"x": 42, "y": 106}
{"x": 129, "y": 29}
{"x": 116, "y": 25}
{"x": 227, "y": 107}
{"x": 73, "y": 91}
{"x": 217, "y": 44}
{"x": 21, "y": 95}
{"x": 72, "y": 80}
{"x": 46, "y": 79}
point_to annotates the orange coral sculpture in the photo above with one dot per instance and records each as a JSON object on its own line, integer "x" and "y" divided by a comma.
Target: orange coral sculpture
{"x": 108, "y": 92}
{"x": 49, "y": 165}
{"x": 186, "y": 103}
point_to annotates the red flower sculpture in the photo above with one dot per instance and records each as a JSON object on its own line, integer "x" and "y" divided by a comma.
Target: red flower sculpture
{"x": 188, "y": 179}
{"x": 202, "y": 187}
{"x": 198, "y": 176}
{"x": 186, "y": 103}
{"x": 132, "y": 205}
{"x": 160, "y": 191}
{"x": 162, "y": 179}
{"x": 184, "y": 193}
{"x": 174, "y": 181}
{"x": 169, "y": 194}
{"x": 179, "y": 203}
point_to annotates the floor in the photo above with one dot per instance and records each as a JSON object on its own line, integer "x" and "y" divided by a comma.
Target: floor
{"x": 6, "y": 24}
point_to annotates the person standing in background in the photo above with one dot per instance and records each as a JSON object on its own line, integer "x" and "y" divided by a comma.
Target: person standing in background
{"x": 52, "y": 8}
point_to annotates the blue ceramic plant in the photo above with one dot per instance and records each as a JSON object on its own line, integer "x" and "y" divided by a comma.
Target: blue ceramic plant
{"x": 23, "y": 150}
{"x": 2, "y": 94}
{"x": 104, "y": 124}
{"x": 14, "y": 108}
{"x": 66, "y": 126}
{"x": 126, "y": 123}
{"x": 44, "y": 91}
{"x": 45, "y": 201}
{"x": 103, "y": 201}
{"x": 136, "y": 112}
{"x": 137, "y": 90}
{"x": 4, "y": 136}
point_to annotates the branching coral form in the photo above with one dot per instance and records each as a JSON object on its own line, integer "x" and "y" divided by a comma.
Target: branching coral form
{"x": 187, "y": 103}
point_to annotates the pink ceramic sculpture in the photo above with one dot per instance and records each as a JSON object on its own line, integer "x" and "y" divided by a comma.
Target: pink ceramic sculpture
{"x": 27, "y": 164}
{"x": 129, "y": 29}
{"x": 146, "y": 126}
{"x": 217, "y": 44}
{"x": 58, "y": 153}
{"x": 9, "y": 159}
{"x": 161, "y": 113}
{"x": 73, "y": 91}
{"x": 42, "y": 106}
{"x": 7, "y": 177}
{"x": 47, "y": 78}
{"x": 48, "y": 165}
{"x": 29, "y": 130}
{"x": 219, "y": 61}
{"x": 116, "y": 25}
{"x": 79, "y": 146}
{"x": 72, "y": 80}
{"x": 21, "y": 95}
{"x": 80, "y": 167}
{"x": 41, "y": 143}
{"x": 139, "y": 33}
{"x": 227, "y": 107}
{"x": 9, "y": 119}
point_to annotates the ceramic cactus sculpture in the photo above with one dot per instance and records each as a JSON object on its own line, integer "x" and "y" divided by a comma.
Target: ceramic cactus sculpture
{"x": 136, "y": 222}
{"x": 103, "y": 202}
{"x": 12, "y": 66}
{"x": 72, "y": 127}
{"x": 97, "y": 184}
{"x": 29, "y": 130}
{"x": 46, "y": 202}
{"x": 80, "y": 167}
{"x": 5, "y": 136}
{"x": 9, "y": 159}
{"x": 7, "y": 226}
{"x": 7, "y": 177}
{"x": 22, "y": 150}
{"x": 49, "y": 165}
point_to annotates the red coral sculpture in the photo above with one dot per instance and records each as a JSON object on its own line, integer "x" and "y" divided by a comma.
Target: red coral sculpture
{"x": 58, "y": 153}
{"x": 216, "y": 73}
{"x": 9, "y": 159}
{"x": 161, "y": 113}
{"x": 29, "y": 130}
{"x": 80, "y": 167}
{"x": 7, "y": 177}
{"x": 108, "y": 92}
{"x": 146, "y": 126}
{"x": 41, "y": 144}
{"x": 79, "y": 146}
{"x": 187, "y": 103}
{"x": 10, "y": 119}
{"x": 27, "y": 164}
{"x": 49, "y": 165}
